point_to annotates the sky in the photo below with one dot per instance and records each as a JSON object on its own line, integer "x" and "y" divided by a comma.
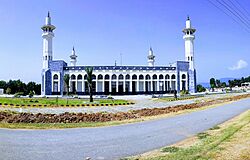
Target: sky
{"x": 103, "y": 30}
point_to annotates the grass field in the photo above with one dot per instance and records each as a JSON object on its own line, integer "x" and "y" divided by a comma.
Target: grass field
{"x": 178, "y": 98}
{"x": 55, "y": 101}
{"x": 228, "y": 141}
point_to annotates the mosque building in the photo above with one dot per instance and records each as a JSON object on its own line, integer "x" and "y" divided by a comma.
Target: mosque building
{"x": 118, "y": 80}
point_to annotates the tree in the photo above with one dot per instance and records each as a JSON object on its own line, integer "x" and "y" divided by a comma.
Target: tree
{"x": 3, "y": 85}
{"x": 89, "y": 71}
{"x": 8, "y": 91}
{"x": 212, "y": 83}
{"x": 218, "y": 83}
{"x": 200, "y": 88}
{"x": 31, "y": 94}
{"x": 66, "y": 81}
{"x": 223, "y": 84}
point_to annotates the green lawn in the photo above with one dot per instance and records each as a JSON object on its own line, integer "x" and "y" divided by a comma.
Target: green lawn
{"x": 178, "y": 98}
{"x": 55, "y": 101}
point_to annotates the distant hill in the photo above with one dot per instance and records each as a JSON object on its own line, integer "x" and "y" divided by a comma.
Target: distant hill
{"x": 205, "y": 84}
{"x": 227, "y": 79}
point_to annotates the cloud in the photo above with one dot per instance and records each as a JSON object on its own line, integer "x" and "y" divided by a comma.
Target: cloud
{"x": 240, "y": 64}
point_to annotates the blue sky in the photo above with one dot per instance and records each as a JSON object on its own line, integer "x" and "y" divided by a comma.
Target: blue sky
{"x": 102, "y": 29}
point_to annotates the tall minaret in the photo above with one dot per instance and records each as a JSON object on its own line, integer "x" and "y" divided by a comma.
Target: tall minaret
{"x": 189, "y": 54}
{"x": 47, "y": 41}
{"x": 73, "y": 57}
{"x": 189, "y": 43}
{"x": 151, "y": 58}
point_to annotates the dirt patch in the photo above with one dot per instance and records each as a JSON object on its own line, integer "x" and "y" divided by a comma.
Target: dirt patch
{"x": 12, "y": 117}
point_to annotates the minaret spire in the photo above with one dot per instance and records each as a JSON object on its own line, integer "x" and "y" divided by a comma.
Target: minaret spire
{"x": 151, "y": 57}
{"x": 73, "y": 57}
{"x": 47, "y": 35}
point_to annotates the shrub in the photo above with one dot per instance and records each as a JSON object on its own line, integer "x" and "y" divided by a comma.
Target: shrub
{"x": 18, "y": 94}
{"x": 110, "y": 97}
{"x": 184, "y": 92}
{"x": 170, "y": 149}
{"x": 31, "y": 94}
{"x": 8, "y": 91}
{"x": 202, "y": 135}
{"x": 215, "y": 127}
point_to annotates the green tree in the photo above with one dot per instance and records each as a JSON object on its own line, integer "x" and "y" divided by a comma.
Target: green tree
{"x": 223, "y": 84}
{"x": 200, "y": 88}
{"x": 212, "y": 83}
{"x": 218, "y": 83}
{"x": 8, "y": 91}
{"x": 66, "y": 81}
{"x": 89, "y": 71}
{"x": 3, "y": 85}
{"x": 31, "y": 94}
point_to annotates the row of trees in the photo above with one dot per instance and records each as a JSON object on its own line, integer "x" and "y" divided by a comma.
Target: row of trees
{"x": 17, "y": 86}
{"x": 215, "y": 83}
{"x": 237, "y": 82}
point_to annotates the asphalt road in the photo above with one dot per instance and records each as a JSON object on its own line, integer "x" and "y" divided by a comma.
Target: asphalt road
{"x": 111, "y": 142}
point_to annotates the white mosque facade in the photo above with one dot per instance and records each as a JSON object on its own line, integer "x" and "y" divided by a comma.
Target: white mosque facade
{"x": 118, "y": 80}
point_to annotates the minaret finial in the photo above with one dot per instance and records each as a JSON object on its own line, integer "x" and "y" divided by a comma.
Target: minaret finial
{"x": 48, "y": 14}
{"x": 73, "y": 48}
{"x": 188, "y": 17}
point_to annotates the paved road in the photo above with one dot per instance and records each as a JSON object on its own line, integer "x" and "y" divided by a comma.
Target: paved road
{"x": 111, "y": 142}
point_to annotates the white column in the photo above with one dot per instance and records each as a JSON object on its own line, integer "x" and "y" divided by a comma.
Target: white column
{"x": 117, "y": 85}
{"x": 151, "y": 85}
{"x": 137, "y": 85}
{"x": 76, "y": 83}
{"x": 144, "y": 85}
{"x": 157, "y": 84}
{"x": 83, "y": 88}
{"x": 103, "y": 82}
{"x": 96, "y": 85}
{"x": 130, "y": 85}
{"x": 110, "y": 87}
{"x": 124, "y": 85}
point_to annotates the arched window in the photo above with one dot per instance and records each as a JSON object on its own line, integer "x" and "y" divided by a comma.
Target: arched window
{"x": 106, "y": 76}
{"x": 85, "y": 76}
{"x": 183, "y": 76}
{"x": 73, "y": 77}
{"x": 79, "y": 77}
{"x": 100, "y": 76}
{"x": 173, "y": 76}
{"x": 114, "y": 76}
{"x": 160, "y": 76}
{"x": 127, "y": 76}
{"x": 120, "y": 76}
{"x": 154, "y": 76}
{"x": 93, "y": 76}
{"x": 167, "y": 76}
{"x": 148, "y": 76}
{"x": 141, "y": 76}
{"x": 134, "y": 76}
{"x": 55, "y": 77}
